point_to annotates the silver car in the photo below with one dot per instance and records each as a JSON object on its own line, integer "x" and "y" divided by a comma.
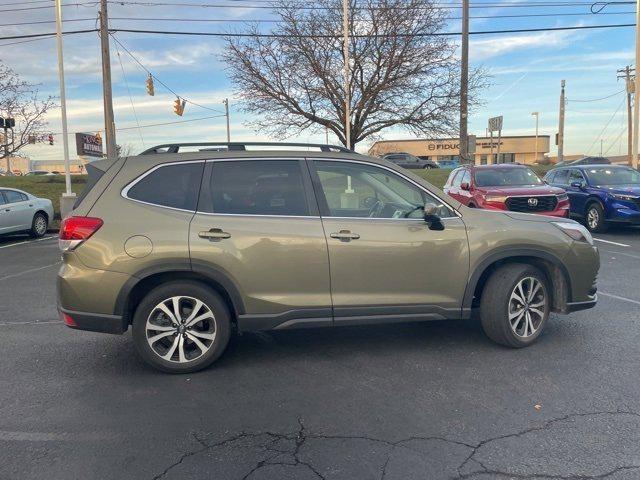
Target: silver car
{"x": 22, "y": 212}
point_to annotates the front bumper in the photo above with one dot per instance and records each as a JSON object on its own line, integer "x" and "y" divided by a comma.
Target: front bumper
{"x": 93, "y": 322}
{"x": 624, "y": 215}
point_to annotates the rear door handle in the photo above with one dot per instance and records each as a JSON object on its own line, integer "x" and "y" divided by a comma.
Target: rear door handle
{"x": 214, "y": 234}
{"x": 345, "y": 235}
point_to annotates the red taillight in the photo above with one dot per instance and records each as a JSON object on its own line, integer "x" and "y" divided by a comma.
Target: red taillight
{"x": 75, "y": 230}
{"x": 66, "y": 318}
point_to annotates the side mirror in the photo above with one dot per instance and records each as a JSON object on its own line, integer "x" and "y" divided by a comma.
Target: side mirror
{"x": 431, "y": 217}
{"x": 577, "y": 184}
{"x": 465, "y": 186}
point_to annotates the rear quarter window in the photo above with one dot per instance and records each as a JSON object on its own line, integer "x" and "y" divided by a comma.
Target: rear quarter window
{"x": 173, "y": 186}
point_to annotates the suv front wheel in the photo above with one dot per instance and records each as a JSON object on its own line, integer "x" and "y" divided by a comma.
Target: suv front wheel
{"x": 515, "y": 305}
{"x": 181, "y": 327}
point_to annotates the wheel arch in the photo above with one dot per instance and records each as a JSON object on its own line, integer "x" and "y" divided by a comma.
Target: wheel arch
{"x": 139, "y": 285}
{"x": 592, "y": 199}
{"x": 40, "y": 210}
{"x": 552, "y": 267}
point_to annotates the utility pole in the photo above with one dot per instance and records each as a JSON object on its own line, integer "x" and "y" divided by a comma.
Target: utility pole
{"x": 109, "y": 123}
{"x": 636, "y": 84}
{"x": 626, "y": 74}
{"x": 561, "y": 123}
{"x": 537, "y": 115}
{"x": 629, "y": 87}
{"x": 464, "y": 84}
{"x": 345, "y": 49}
{"x": 226, "y": 113}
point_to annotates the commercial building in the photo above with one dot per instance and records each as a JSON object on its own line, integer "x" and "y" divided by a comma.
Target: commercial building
{"x": 521, "y": 149}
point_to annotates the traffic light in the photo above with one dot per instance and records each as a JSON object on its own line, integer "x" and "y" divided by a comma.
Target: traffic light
{"x": 178, "y": 106}
{"x": 150, "y": 89}
{"x": 50, "y": 139}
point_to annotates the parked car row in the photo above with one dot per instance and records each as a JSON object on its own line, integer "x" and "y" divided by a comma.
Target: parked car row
{"x": 597, "y": 194}
{"x": 423, "y": 162}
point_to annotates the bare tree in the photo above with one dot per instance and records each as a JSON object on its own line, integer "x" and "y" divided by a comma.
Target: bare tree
{"x": 21, "y": 100}
{"x": 404, "y": 70}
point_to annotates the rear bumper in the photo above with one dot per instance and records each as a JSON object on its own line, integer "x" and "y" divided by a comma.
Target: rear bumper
{"x": 577, "y": 306}
{"x": 93, "y": 322}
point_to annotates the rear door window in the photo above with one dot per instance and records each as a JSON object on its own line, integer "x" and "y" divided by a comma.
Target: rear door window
{"x": 174, "y": 186}
{"x": 257, "y": 187}
{"x": 14, "y": 197}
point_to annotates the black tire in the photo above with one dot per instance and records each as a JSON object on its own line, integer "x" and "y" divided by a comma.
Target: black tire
{"x": 495, "y": 304}
{"x": 594, "y": 218}
{"x": 39, "y": 225}
{"x": 221, "y": 323}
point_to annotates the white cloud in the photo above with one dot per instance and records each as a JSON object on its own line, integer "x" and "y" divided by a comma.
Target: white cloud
{"x": 484, "y": 49}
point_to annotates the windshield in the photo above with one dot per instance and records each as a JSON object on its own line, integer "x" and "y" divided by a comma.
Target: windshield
{"x": 613, "y": 176}
{"x": 498, "y": 177}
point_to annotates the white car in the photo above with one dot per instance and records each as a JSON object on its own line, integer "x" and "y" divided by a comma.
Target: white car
{"x": 22, "y": 212}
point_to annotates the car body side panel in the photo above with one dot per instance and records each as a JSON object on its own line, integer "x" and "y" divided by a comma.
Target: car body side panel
{"x": 398, "y": 262}
{"x": 279, "y": 263}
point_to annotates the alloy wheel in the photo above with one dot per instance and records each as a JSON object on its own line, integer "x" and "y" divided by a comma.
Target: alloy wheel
{"x": 40, "y": 225}
{"x": 593, "y": 218}
{"x": 181, "y": 329}
{"x": 527, "y": 307}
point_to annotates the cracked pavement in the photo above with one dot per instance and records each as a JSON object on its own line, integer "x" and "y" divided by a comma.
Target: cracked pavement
{"x": 419, "y": 401}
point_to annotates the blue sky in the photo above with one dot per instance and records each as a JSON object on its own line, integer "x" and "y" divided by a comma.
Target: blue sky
{"x": 526, "y": 72}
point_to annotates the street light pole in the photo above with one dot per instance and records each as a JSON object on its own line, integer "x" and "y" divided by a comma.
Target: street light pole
{"x": 226, "y": 113}
{"x": 345, "y": 49}
{"x": 63, "y": 99}
{"x": 536, "y": 114}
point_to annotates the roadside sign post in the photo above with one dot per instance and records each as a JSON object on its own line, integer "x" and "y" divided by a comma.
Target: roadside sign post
{"x": 495, "y": 125}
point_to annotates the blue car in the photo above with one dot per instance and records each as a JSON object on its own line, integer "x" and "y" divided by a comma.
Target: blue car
{"x": 600, "y": 194}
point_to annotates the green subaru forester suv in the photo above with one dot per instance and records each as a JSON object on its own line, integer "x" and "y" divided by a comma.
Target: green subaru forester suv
{"x": 186, "y": 243}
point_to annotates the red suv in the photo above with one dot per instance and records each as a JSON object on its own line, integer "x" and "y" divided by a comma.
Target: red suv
{"x": 506, "y": 187}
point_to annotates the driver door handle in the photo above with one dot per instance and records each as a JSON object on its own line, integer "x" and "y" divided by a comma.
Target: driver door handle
{"x": 345, "y": 235}
{"x": 214, "y": 234}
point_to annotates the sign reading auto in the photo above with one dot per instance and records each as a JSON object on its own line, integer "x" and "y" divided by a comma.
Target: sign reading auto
{"x": 89, "y": 145}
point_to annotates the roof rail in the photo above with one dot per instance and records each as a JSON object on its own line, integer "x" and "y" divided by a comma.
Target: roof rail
{"x": 239, "y": 147}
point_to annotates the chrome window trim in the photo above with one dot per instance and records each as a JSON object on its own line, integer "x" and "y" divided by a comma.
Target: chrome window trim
{"x": 198, "y": 212}
{"x": 124, "y": 193}
{"x": 420, "y": 187}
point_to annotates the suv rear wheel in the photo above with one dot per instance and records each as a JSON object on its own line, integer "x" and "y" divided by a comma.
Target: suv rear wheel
{"x": 515, "y": 305}
{"x": 181, "y": 327}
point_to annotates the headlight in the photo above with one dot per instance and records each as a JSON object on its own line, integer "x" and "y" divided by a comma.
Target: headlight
{"x": 575, "y": 231}
{"x": 622, "y": 196}
{"x": 562, "y": 197}
{"x": 496, "y": 198}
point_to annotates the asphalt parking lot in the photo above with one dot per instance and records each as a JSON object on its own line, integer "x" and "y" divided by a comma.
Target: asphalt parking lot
{"x": 431, "y": 401}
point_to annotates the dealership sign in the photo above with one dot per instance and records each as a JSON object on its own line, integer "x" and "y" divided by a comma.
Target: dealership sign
{"x": 495, "y": 124}
{"x": 89, "y": 145}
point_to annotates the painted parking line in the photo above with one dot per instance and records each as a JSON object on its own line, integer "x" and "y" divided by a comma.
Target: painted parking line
{"x": 618, "y": 297}
{"x": 610, "y": 242}
{"x": 28, "y": 241}
{"x": 31, "y": 270}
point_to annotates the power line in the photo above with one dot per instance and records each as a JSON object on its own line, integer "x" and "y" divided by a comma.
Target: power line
{"x": 606, "y": 125}
{"x": 277, "y": 35}
{"x": 598, "y": 99}
{"x": 260, "y": 20}
{"x": 149, "y": 125}
{"x": 317, "y": 7}
{"x": 437, "y": 34}
{"x": 126, "y": 82}
{"x": 22, "y": 9}
{"x": 160, "y": 81}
